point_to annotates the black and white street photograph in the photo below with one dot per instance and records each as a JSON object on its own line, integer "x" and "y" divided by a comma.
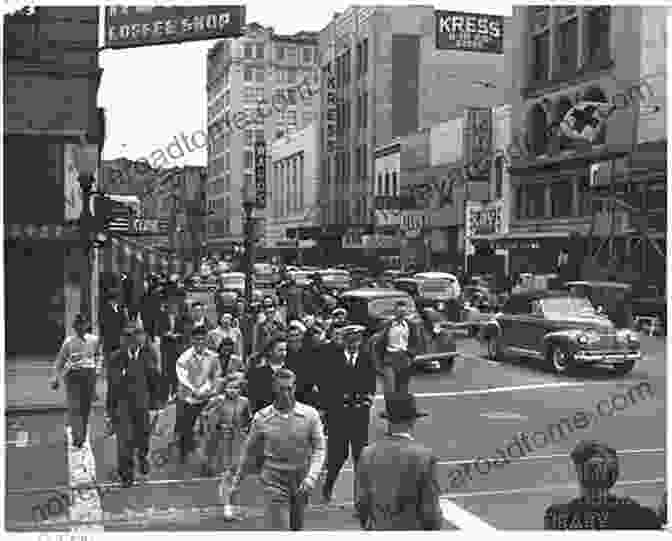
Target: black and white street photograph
{"x": 323, "y": 266}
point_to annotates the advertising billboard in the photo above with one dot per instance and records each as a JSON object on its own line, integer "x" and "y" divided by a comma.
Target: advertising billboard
{"x": 458, "y": 31}
{"x": 260, "y": 174}
{"x": 156, "y": 25}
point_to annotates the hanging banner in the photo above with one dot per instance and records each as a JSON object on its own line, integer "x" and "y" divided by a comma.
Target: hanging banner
{"x": 456, "y": 31}
{"x": 332, "y": 112}
{"x": 155, "y": 25}
{"x": 478, "y": 142}
{"x": 260, "y": 174}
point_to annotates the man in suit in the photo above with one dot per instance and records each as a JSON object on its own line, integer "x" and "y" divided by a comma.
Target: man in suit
{"x": 397, "y": 348}
{"x": 302, "y": 363}
{"x": 348, "y": 389}
{"x": 260, "y": 376}
{"x": 170, "y": 326}
{"x": 113, "y": 320}
{"x": 134, "y": 390}
{"x": 397, "y": 486}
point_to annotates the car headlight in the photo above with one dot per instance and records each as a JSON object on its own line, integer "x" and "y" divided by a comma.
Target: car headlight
{"x": 628, "y": 336}
{"x": 583, "y": 339}
{"x": 440, "y": 306}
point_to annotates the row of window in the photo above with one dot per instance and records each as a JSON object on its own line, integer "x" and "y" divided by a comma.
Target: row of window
{"x": 552, "y": 200}
{"x": 283, "y": 53}
{"x": 288, "y": 182}
{"x": 221, "y": 203}
{"x": 580, "y": 37}
{"x": 219, "y": 227}
{"x": 347, "y": 212}
{"x": 343, "y": 64}
{"x": 387, "y": 184}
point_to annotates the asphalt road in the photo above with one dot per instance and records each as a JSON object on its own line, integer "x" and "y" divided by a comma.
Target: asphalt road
{"x": 474, "y": 411}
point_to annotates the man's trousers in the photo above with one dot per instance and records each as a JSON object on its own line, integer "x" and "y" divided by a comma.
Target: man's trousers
{"x": 348, "y": 431}
{"x": 133, "y": 432}
{"x": 186, "y": 416}
{"x": 80, "y": 385}
{"x": 284, "y": 506}
{"x": 170, "y": 351}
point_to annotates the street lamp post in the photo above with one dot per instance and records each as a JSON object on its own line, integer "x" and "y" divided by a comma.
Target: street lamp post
{"x": 248, "y": 206}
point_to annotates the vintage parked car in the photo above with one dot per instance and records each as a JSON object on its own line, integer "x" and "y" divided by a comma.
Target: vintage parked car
{"x": 425, "y": 293}
{"x": 337, "y": 280}
{"x": 612, "y": 298}
{"x": 562, "y": 331}
{"x": 374, "y": 307}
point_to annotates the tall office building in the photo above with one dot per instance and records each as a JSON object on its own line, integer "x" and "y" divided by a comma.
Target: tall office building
{"x": 388, "y": 81}
{"x": 259, "y": 86}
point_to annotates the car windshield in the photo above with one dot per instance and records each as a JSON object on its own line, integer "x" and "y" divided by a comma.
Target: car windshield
{"x": 385, "y": 306}
{"x": 232, "y": 281}
{"x": 437, "y": 286}
{"x": 567, "y": 307}
{"x": 336, "y": 277}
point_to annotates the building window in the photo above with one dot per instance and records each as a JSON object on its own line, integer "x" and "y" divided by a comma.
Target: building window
{"x": 260, "y": 76}
{"x": 499, "y": 176}
{"x": 561, "y": 199}
{"x": 395, "y": 185}
{"x": 280, "y": 53}
{"x": 307, "y": 55}
{"x": 365, "y": 56}
{"x": 567, "y": 42}
{"x": 307, "y": 117}
{"x": 227, "y": 160}
{"x": 247, "y": 51}
{"x": 365, "y": 109}
{"x": 535, "y": 200}
{"x": 597, "y": 35}
{"x": 365, "y": 161}
{"x": 259, "y": 135}
{"x": 260, "y": 51}
{"x": 227, "y": 179}
{"x": 301, "y": 181}
{"x": 291, "y": 96}
{"x": 248, "y": 159}
{"x": 538, "y": 130}
{"x": 248, "y": 138}
{"x": 541, "y": 40}
{"x": 519, "y": 198}
{"x": 387, "y": 184}
{"x": 291, "y": 76}
{"x": 379, "y": 185}
{"x": 247, "y": 75}
{"x": 291, "y": 54}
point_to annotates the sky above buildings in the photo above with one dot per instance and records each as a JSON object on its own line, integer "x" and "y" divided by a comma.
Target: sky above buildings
{"x": 154, "y": 94}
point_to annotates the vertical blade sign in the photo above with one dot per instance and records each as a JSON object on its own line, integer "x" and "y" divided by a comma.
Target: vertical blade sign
{"x": 260, "y": 173}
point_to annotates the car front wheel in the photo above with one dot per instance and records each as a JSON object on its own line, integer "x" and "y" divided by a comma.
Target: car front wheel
{"x": 624, "y": 369}
{"x": 560, "y": 360}
{"x": 494, "y": 352}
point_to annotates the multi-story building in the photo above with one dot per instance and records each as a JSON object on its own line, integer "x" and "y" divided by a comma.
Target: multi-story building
{"x": 388, "y": 81}
{"x": 589, "y": 108}
{"x": 51, "y": 81}
{"x": 294, "y": 181}
{"x": 256, "y": 90}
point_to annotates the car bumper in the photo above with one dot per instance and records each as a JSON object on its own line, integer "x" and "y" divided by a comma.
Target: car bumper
{"x": 606, "y": 359}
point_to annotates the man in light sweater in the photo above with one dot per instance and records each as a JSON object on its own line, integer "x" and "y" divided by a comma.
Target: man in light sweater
{"x": 197, "y": 369}
{"x": 288, "y": 437}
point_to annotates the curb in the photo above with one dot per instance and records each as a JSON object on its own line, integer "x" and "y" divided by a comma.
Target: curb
{"x": 28, "y": 409}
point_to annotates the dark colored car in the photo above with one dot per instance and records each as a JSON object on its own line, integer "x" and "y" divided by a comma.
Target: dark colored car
{"x": 423, "y": 297}
{"x": 373, "y": 308}
{"x": 562, "y": 331}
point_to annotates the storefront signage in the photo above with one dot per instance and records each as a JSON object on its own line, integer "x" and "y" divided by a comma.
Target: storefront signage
{"x": 457, "y": 31}
{"x": 436, "y": 192}
{"x": 478, "y": 141}
{"x": 155, "y": 25}
{"x": 381, "y": 242}
{"x": 414, "y": 221}
{"x": 484, "y": 219}
{"x": 72, "y": 190}
{"x": 388, "y": 218}
{"x": 331, "y": 112}
{"x": 260, "y": 174}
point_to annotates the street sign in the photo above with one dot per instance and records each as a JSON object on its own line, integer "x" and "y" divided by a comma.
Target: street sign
{"x": 146, "y": 225}
{"x": 155, "y": 25}
{"x": 260, "y": 174}
{"x": 456, "y": 31}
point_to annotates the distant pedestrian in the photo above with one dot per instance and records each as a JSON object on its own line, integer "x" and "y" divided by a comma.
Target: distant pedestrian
{"x": 229, "y": 360}
{"x": 171, "y": 328}
{"x": 397, "y": 347}
{"x": 260, "y": 376}
{"x": 288, "y": 472}
{"x": 113, "y": 320}
{"x": 597, "y": 470}
{"x": 76, "y": 365}
{"x": 227, "y": 329}
{"x": 397, "y": 483}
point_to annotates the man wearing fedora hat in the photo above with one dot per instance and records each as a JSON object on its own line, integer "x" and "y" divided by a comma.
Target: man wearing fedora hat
{"x": 347, "y": 390}
{"x": 397, "y": 486}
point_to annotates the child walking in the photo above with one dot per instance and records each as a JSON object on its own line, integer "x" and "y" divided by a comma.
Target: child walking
{"x": 224, "y": 422}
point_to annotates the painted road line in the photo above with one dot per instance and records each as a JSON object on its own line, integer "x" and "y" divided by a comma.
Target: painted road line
{"x": 548, "y": 488}
{"x": 504, "y": 416}
{"x": 529, "y": 387}
{"x": 563, "y": 456}
{"x": 463, "y": 519}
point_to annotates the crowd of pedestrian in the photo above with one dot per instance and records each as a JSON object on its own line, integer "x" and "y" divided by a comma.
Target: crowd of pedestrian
{"x": 291, "y": 400}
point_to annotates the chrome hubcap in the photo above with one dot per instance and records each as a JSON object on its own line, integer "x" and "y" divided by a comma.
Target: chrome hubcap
{"x": 559, "y": 360}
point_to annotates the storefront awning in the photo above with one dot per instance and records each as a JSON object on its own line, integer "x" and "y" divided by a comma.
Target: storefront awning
{"x": 521, "y": 240}
{"x": 568, "y": 160}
